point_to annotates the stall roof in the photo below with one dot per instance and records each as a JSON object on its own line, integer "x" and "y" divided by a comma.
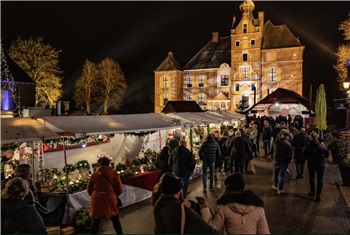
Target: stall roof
{"x": 24, "y": 129}
{"x": 197, "y": 118}
{"x": 282, "y": 96}
{"x": 110, "y": 124}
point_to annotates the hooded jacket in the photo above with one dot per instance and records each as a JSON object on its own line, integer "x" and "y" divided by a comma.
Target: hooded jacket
{"x": 103, "y": 192}
{"x": 239, "y": 212}
{"x": 210, "y": 150}
{"x": 20, "y": 217}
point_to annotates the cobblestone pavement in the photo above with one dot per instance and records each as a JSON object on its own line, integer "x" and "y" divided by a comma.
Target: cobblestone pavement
{"x": 291, "y": 213}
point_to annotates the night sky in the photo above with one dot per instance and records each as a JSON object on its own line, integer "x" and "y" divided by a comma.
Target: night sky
{"x": 139, "y": 35}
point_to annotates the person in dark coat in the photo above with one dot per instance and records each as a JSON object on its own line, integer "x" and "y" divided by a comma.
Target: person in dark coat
{"x": 266, "y": 137}
{"x": 298, "y": 143}
{"x": 240, "y": 152}
{"x": 208, "y": 152}
{"x": 104, "y": 187}
{"x": 282, "y": 156}
{"x": 162, "y": 162}
{"x": 315, "y": 153}
{"x": 19, "y": 216}
{"x": 224, "y": 154}
{"x": 182, "y": 163}
{"x": 169, "y": 208}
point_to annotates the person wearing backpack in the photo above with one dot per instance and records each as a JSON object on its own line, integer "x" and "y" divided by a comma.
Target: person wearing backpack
{"x": 315, "y": 153}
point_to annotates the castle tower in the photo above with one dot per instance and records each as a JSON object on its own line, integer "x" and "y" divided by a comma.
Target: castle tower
{"x": 167, "y": 82}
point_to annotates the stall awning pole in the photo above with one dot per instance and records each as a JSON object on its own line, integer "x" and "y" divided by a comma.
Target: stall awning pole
{"x": 191, "y": 139}
{"x": 67, "y": 183}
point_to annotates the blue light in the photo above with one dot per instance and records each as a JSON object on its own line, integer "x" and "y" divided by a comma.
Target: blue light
{"x": 6, "y": 102}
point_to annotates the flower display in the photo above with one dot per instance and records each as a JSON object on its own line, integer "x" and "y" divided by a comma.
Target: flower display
{"x": 82, "y": 165}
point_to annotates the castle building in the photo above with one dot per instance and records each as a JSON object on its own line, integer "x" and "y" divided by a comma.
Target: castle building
{"x": 234, "y": 72}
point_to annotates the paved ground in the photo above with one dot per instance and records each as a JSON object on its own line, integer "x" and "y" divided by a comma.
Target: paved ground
{"x": 292, "y": 213}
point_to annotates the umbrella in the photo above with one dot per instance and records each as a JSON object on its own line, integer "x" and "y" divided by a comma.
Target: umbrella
{"x": 321, "y": 109}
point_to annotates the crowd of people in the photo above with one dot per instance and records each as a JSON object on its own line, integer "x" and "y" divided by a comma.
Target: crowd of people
{"x": 239, "y": 211}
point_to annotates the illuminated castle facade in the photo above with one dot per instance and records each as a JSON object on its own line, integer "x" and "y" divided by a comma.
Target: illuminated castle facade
{"x": 233, "y": 72}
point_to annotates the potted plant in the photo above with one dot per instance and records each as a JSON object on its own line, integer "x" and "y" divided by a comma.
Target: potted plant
{"x": 82, "y": 219}
{"x": 69, "y": 168}
{"x": 339, "y": 147}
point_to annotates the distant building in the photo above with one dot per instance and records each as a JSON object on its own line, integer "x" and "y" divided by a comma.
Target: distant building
{"x": 224, "y": 73}
{"x": 17, "y": 88}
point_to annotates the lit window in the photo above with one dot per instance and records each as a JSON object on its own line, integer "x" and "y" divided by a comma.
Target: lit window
{"x": 165, "y": 82}
{"x": 189, "y": 81}
{"x": 201, "y": 81}
{"x": 252, "y": 42}
{"x": 200, "y": 98}
{"x": 237, "y": 87}
{"x": 272, "y": 74}
{"x": 245, "y": 28}
{"x": 224, "y": 80}
{"x": 245, "y": 57}
{"x": 189, "y": 97}
{"x": 245, "y": 72}
{"x": 165, "y": 99}
{"x": 237, "y": 43}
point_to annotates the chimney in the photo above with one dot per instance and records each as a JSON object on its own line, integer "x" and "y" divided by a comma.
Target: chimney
{"x": 261, "y": 18}
{"x": 215, "y": 37}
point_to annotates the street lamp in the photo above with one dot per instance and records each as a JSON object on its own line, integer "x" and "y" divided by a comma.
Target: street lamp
{"x": 346, "y": 83}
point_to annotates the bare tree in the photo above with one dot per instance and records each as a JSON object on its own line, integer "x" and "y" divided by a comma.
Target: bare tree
{"x": 40, "y": 61}
{"x": 343, "y": 54}
{"x": 86, "y": 86}
{"x": 113, "y": 85}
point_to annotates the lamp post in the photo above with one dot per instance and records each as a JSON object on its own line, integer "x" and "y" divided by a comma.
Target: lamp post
{"x": 346, "y": 85}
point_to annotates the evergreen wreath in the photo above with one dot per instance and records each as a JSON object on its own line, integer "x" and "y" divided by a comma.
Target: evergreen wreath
{"x": 82, "y": 164}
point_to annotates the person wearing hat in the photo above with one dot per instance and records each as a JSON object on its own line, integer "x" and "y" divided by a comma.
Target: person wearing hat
{"x": 239, "y": 211}
{"x": 172, "y": 215}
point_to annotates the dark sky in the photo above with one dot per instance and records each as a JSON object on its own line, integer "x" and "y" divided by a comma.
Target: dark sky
{"x": 139, "y": 35}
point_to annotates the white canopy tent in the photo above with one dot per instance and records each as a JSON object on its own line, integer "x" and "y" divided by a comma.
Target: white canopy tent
{"x": 24, "y": 130}
{"x": 111, "y": 124}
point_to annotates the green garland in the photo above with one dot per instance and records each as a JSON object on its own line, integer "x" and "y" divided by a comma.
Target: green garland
{"x": 139, "y": 134}
{"x": 150, "y": 167}
{"x": 120, "y": 167}
{"x": 82, "y": 164}
{"x": 136, "y": 162}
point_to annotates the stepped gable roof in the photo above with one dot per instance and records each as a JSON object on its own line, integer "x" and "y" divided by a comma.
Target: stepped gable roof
{"x": 212, "y": 55}
{"x": 170, "y": 63}
{"x": 181, "y": 106}
{"x": 18, "y": 74}
{"x": 278, "y": 37}
{"x": 220, "y": 96}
